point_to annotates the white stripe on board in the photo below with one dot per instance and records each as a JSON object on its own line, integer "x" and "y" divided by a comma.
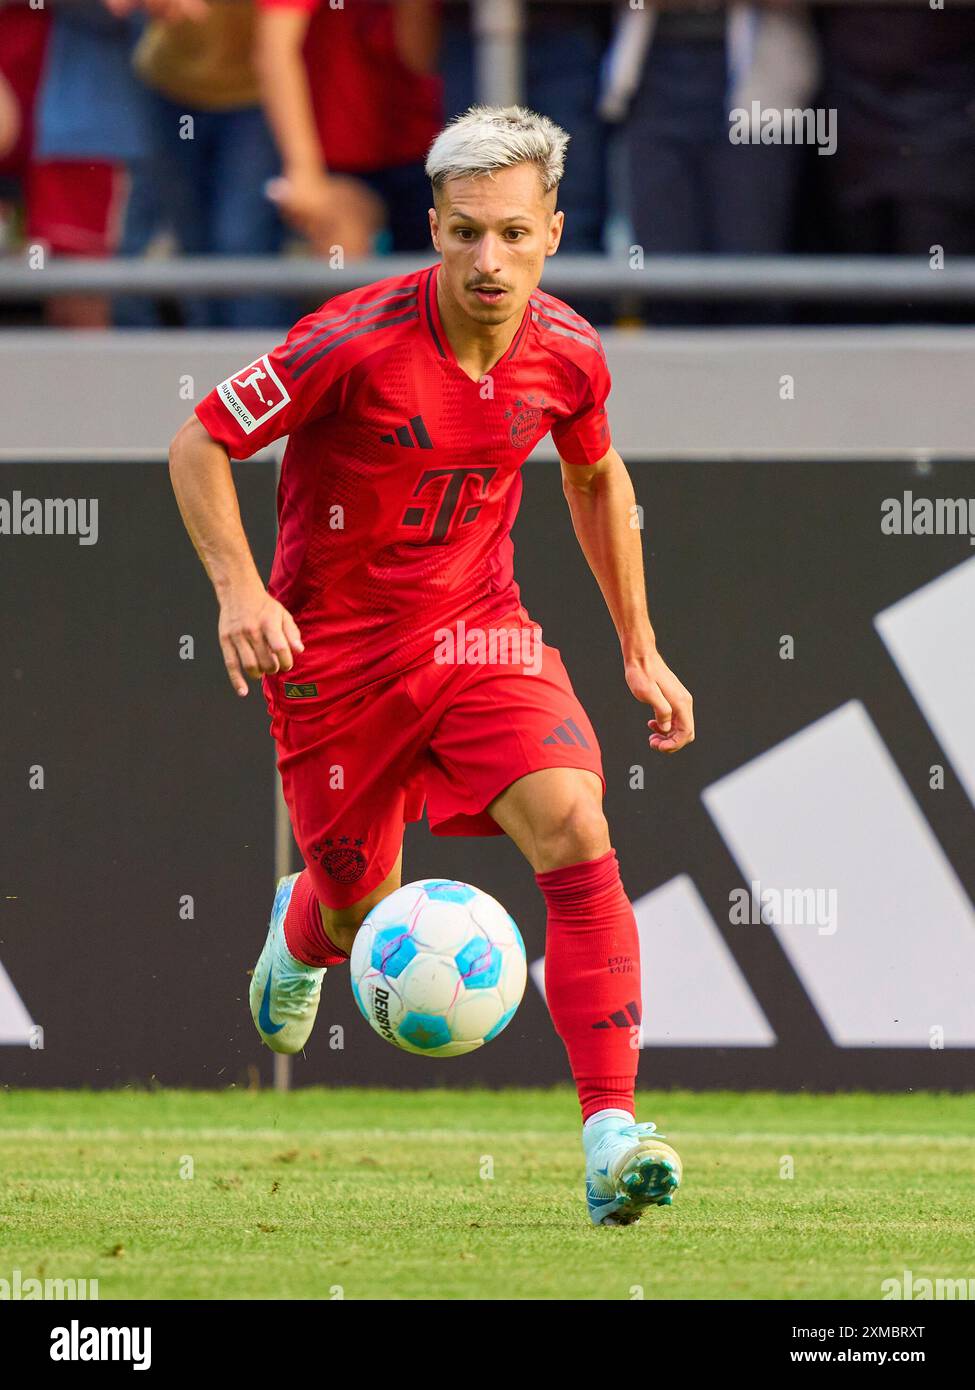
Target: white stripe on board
{"x": 929, "y": 635}
{"x": 828, "y": 810}
{"x": 15, "y": 1021}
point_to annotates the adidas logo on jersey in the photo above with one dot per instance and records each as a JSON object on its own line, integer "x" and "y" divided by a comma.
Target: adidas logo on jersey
{"x": 418, "y": 437}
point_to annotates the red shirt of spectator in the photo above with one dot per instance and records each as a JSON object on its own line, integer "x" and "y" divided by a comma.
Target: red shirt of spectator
{"x": 372, "y": 111}
{"x": 23, "y": 36}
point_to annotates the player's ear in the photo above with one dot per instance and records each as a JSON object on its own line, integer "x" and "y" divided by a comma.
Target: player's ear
{"x": 434, "y": 228}
{"x": 555, "y": 232}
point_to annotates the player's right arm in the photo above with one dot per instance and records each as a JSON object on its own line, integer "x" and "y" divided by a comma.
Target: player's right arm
{"x": 257, "y": 634}
{"x": 300, "y": 380}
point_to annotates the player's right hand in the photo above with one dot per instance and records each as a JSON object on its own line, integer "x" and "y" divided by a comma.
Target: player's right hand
{"x": 258, "y": 636}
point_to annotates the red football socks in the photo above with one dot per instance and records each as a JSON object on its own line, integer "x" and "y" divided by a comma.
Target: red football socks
{"x": 304, "y": 934}
{"x": 592, "y": 979}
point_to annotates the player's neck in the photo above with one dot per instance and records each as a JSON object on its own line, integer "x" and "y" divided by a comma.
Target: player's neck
{"x": 477, "y": 347}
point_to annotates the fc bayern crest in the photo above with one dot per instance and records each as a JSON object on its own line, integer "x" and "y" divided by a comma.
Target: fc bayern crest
{"x": 342, "y": 859}
{"x": 525, "y": 417}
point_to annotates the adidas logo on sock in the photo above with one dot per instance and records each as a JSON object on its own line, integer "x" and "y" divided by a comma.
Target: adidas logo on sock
{"x": 619, "y": 1018}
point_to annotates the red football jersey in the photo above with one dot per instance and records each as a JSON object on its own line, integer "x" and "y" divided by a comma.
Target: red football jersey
{"x": 402, "y": 475}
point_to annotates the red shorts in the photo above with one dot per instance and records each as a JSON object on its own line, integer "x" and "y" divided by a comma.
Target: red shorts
{"x": 355, "y": 770}
{"x": 76, "y": 206}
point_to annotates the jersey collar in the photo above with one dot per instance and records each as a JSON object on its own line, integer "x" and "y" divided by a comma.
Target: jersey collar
{"x": 430, "y": 314}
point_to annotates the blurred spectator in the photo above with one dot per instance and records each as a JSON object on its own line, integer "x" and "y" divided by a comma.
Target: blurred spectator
{"x": 9, "y": 118}
{"x": 211, "y": 154}
{"x": 564, "y": 46}
{"x": 352, "y": 91}
{"x": 903, "y": 84}
{"x": 88, "y": 125}
{"x": 674, "y": 77}
{"x": 23, "y": 40}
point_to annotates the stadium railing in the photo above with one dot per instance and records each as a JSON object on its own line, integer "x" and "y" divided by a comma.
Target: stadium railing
{"x": 809, "y": 278}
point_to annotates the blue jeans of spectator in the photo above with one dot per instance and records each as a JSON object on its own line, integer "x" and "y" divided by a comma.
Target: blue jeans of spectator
{"x": 209, "y": 191}
{"x": 563, "y": 52}
{"x": 405, "y": 189}
{"x": 691, "y": 191}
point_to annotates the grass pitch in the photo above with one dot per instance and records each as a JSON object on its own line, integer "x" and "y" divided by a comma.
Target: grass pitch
{"x": 435, "y": 1194}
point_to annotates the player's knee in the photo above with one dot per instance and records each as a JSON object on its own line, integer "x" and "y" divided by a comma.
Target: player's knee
{"x": 577, "y": 832}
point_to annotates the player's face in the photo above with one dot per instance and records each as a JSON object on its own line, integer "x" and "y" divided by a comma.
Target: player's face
{"x": 494, "y": 233}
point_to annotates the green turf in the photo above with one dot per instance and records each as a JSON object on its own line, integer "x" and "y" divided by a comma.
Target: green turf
{"x": 388, "y": 1195}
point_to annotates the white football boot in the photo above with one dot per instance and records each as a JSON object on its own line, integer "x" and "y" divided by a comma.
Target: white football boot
{"x": 284, "y": 992}
{"x": 628, "y": 1168}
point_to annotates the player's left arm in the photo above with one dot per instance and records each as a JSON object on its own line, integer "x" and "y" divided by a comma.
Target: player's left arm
{"x": 604, "y": 515}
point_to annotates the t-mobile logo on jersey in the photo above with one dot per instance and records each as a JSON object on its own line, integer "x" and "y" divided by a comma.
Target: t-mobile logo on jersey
{"x": 253, "y": 395}
{"x": 452, "y": 492}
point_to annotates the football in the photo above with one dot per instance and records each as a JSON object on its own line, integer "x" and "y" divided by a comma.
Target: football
{"x": 438, "y": 968}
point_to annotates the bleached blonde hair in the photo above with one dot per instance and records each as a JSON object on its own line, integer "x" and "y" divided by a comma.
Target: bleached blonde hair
{"x": 486, "y": 138}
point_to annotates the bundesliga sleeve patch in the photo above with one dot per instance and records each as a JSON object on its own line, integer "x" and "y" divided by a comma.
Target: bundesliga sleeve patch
{"x": 253, "y": 395}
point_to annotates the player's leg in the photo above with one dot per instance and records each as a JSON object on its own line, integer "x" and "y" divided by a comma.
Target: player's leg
{"x": 592, "y": 951}
{"x": 514, "y": 750}
{"x": 304, "y": 938}
{"x": 555, "y": 817}
{"x": 592, "y": 982}
{"x": 322, "y": 935}
{"x": 348, "y": 808}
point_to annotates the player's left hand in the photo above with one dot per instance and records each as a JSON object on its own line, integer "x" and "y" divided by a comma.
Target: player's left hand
{"x": 652, "y": 681}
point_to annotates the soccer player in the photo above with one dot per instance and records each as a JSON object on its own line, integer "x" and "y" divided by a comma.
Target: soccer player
{"x": 410, "y": 407}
